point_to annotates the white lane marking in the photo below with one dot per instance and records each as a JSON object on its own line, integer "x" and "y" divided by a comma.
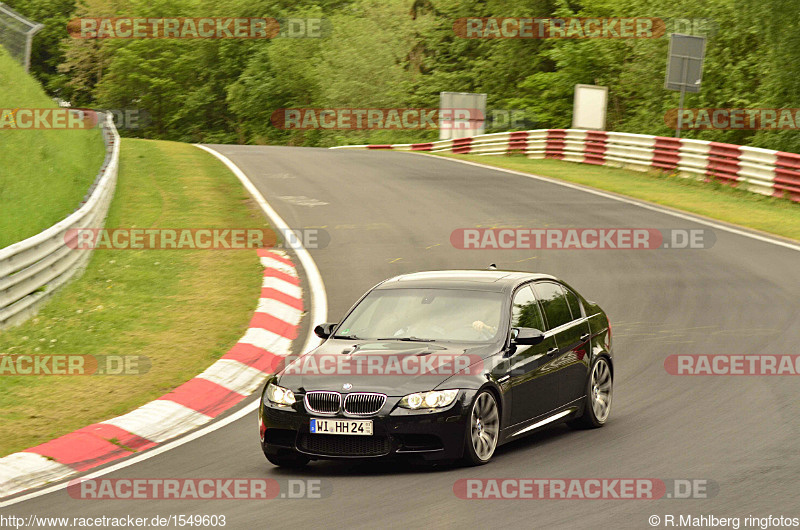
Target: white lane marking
{"x": 160, "y": 420}
{"x": 19, "y": 471}
{"x": 319, "y": 300}
{"x": 302, "y": 200}
{"x": 235, "y": 376}
{"x": 687, "y": 217}
{"x": 277, "y": 176}
{"x": 318, "y": 314}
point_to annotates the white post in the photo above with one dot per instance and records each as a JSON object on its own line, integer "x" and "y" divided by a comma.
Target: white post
{"x": 29, "y": 44}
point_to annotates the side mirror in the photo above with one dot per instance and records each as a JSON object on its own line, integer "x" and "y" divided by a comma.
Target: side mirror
{"x": 526, "y": 336}
{"x": 324, "y": 331}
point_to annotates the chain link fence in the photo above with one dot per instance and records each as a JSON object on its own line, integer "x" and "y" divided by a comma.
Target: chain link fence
{"x": 16, "y": 34}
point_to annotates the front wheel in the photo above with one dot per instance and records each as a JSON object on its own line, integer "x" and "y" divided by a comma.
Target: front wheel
{"x": 483, "y": 429}
{"x": 599, "y": 391}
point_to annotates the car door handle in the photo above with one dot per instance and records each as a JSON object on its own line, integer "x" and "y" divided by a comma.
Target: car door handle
{"x": 552, "y": 351}
{"x": 584, "y": 338}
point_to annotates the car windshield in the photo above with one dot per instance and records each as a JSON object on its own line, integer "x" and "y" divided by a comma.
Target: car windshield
{"x": 426, "y": 315}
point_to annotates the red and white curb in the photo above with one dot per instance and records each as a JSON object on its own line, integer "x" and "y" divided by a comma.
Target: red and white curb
{"x": 225, "y": 383}
{"x": 764, "y": 171}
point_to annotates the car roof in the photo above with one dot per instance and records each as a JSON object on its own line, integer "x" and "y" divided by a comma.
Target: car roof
{"x": 479, "y": 280}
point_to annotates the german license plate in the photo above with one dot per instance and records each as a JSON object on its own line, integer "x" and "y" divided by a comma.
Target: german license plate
{"x": 355, "y": 427}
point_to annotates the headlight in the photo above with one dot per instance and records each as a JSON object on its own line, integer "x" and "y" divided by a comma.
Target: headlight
{"x": 278, "y": 394}
{"x": 429, "y": 400}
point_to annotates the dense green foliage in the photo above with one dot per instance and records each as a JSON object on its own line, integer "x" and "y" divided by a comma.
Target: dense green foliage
{"x": 402, "y": 53}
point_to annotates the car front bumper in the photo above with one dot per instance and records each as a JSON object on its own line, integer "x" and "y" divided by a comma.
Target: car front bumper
{"x": 424, "y": 435}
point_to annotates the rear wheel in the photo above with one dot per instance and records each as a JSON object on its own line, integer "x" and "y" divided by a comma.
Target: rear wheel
{"x": 599, "y": 391}
{"x": 287, "y": 459}
{"x": 483, "y": 430}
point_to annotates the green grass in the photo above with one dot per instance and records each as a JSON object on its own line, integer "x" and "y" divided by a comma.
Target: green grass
{"x": 182, "y": 309}
{"x": 710, "y": 199}
{"x": 44, "y": 174}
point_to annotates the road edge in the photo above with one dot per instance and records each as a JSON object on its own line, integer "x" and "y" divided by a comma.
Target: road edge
{"x": 674, "y": 212}
{"x": 226, "y": 383}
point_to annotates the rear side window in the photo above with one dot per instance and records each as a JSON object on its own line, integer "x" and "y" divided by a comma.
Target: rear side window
{"x": 574, "y": 304}
{"x": 525, "y": 312}
{"x": 554, "y": 303}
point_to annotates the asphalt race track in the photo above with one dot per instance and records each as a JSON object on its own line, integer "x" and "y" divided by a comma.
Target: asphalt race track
{"x": 389, "y": 213}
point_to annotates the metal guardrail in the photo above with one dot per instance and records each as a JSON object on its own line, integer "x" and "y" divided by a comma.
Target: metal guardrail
{"x": 762, "y": 171}
{"x": 33, "y": 269}
{"x": 16, "y": 34}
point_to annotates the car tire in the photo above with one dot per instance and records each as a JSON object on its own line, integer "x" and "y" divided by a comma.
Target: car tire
{"x": 291, "y": 460}
{"x": 483, "y": 430}
{"x": 599, "y": 394}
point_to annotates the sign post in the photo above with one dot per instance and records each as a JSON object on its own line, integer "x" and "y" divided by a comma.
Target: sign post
{"x": 684, "y": 67}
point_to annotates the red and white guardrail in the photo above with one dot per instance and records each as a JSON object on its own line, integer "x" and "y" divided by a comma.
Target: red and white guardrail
{"x": 224, "y": 384}
{"x": 763, "y": 171}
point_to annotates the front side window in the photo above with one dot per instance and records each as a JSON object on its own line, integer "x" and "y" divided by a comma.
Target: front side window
{"x": 525, "y": 312}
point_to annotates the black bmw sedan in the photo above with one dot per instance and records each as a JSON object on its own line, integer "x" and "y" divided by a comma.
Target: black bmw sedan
{"x": 442, "y": 365}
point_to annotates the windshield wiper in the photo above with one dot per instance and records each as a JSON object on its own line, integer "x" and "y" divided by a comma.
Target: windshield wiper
{"x": 347, "y": 337}
{"x": 409, "y": 339}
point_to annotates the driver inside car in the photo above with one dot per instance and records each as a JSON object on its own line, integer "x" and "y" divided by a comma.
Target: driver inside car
{"x": 484, "y": 329}
{"x": 486, "y": 325}
{"x": 433, "y": 318}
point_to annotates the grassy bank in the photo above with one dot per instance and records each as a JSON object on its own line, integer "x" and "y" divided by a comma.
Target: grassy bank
{"x": 44, "y": 174}
{"x": 182, "y": 309}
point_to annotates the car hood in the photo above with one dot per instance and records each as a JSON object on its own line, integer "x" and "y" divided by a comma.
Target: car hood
{"x": 394, "y": 368}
